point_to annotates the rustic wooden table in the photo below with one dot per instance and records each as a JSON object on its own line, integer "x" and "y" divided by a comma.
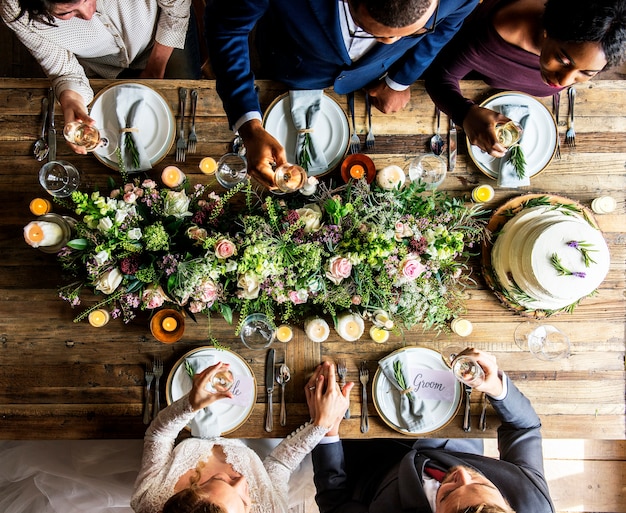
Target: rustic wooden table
{"x": 64, "y": 380}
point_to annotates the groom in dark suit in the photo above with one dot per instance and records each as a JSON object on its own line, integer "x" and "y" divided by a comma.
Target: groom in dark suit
{"x": 380, "y": 45}
{"x": 441, "y": 476}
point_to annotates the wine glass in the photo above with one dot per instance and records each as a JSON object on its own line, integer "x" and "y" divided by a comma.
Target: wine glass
{"x": 257, "y": 332}
{"x": 232, "y": 169}
{"x": 289, "y": 178}
{"x": 429, "y": 169}
{"x": 544, "y": 341}
{"x": 223, "y": 381}
{"x": 59, "y": 178}
{"x": 449, "y": 353}
{"x": 91, "y": 138}
{"x": 509, "y": 133}
{"x": 467, "y": 370}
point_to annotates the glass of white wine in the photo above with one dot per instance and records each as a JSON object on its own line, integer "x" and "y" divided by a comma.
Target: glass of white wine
{"x": 467, "y": 370}
{"x": 91, "y": 138}
{"x": 509, "y": 133}
{"x": 289, "y": 178}
{"x": 223, "y": 381}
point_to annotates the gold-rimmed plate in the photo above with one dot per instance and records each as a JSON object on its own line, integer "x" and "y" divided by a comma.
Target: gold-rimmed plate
{"x": 438, "y": 413}
{"x": 155, "y": 120}
{"x": 332, "y": 131}
{"x": 539, "y": 140}
{"x": 231, "y": 416}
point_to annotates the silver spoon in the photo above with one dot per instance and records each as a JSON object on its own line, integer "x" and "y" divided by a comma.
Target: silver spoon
{"x": 282, "y": 377}
{"x": 436, "y": 142}
{"x": 40, "y": 148}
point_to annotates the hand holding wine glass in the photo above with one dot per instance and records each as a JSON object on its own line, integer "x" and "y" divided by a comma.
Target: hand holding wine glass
{"x": 91, "y": 138}
{"x": 203, "y": 390}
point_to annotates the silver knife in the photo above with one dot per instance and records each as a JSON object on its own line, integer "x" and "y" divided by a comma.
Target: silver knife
{"x": 467, "y": 425}
{"x": 52, "y": 133}
{"x": 451, "y": 146}
{"x": 269, "y": 386}
{"x": 482, "y": 423}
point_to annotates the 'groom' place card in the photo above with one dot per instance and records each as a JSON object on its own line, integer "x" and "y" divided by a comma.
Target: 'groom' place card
{"x": 432, "y": 384}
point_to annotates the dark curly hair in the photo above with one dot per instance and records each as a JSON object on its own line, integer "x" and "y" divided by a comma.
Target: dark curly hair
{"x": 602, "y": 21}
{"x": 394, "y": 13}
{"x": 40, "y": 10}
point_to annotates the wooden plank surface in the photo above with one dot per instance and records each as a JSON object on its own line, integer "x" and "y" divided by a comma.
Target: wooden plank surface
{"x": 64, "y": 380}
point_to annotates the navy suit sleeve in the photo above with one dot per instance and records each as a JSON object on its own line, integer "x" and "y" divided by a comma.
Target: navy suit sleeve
{"x": 519, "y": 435}
{"x": 333, "y": 493}
{"x": 451, "y": 15}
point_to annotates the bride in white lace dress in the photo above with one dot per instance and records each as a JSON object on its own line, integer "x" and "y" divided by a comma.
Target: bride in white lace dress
{"x": 222, "y": 471}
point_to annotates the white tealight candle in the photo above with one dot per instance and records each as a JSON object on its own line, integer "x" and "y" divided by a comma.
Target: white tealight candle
{"x": 391, "y": 177}
{"x": 350, "y": 326}
{"x": 603, "y": 205}
{"x": 42, "y": 233}
{"x": 284, "y": 333}
{"x": 462, "y": 327}
{"x": 316, "y": 329}
{"x": 172, "y": 177}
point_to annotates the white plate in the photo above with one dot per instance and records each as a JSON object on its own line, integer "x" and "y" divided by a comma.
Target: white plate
{"x": 158, "y": 125}
{"x": 332, "y": 131}
{"x": 539, "y": 139}
{"x": 179, "y": 383}
{"x": 439, "y": 412}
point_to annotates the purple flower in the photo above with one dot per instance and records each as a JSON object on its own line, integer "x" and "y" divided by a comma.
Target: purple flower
{"x": 573, "y": 244}
{"x": 579, "y": 274}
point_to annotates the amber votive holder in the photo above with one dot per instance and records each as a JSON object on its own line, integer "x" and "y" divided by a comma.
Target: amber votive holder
{"x": 167, "y": 325}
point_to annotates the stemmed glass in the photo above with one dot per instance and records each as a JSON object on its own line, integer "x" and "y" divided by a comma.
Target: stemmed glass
{"x": 544, "y": 341}
{"x": 257, "y": 332}
{"x": 289, "y": 178}
{"x": 429, "y": 169}
{"x": 232, "y": 169}
{"x": 91, "y": 138}
{"x": 464, "y": 367}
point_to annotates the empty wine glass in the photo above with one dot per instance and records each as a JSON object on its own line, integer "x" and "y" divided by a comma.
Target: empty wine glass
{"x": 429, "y": 169}
{"x": 91, "y": 138}
{"x": 544, "y": 341}
{"x": 59, "y": 178}
{"x": 467, "y": 370}
{"x": 257, "y": 331}
{"x": 289, "y": 178}
{"x": 232, "y": 169}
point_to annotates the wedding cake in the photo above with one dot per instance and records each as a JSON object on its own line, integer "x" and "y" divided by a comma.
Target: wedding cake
{"x": 548, "y": 257}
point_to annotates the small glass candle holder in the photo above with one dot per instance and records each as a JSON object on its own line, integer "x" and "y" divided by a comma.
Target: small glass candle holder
{"x": 468, "y": 371}
{"x": 483, "y": 193}
{"x": 167, "y": 325}
{"x": 462, "y": 327}
{"x": 40, "y": 206}
{"x": 429, "y": 169}
{"x": 284, "y": 333}
{"x": 208, "y": 165}
{"x": 99, "y": 318}
{"x": 257, "y": 331}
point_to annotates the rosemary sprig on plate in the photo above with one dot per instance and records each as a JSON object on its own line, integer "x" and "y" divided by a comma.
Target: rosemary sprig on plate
{"x": 518, "y": 160}
{"x": 305, "y": 156}
{"x": 131, "y": 149}
{"x": 399, "y": 376}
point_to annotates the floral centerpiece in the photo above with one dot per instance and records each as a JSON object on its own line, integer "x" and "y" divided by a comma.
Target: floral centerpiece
{"x": 358, "y": 247}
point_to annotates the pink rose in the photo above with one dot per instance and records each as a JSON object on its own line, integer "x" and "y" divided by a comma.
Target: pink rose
{"x": 298, "y": 297}
{"x": 197, "y": 306}
{"x": 225, "y": 248}
{"x": 411, "y": 267}
{"x": 153, "y": 298}
{"x": 197, "y": 233}
{"x": 207, "y": 292}
{"x": 338, "y": 268}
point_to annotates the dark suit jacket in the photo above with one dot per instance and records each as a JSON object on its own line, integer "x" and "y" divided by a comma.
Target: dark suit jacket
{"x": 300, "y": 44}
{"x": 518, "y": 473}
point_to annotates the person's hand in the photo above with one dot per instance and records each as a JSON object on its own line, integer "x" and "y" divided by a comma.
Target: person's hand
{"x": 492, "y": 384}
{"x": 388, "y": 100}
{"x": 479, "y": 126}
{"x": 199, "y": 396}
{"x": 263, "y": 152}
{"x": 74, "y": 109}
{"x": 326, "y": 400}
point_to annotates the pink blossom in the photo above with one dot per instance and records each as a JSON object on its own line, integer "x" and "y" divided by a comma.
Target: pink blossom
{"x": 207, "y": 292}
{"x": 149, "y": 184}
{"x": 338, "y": 268}
{"x": 411, "y": 267}
{"x": 225, "y": 248}
{"x": 197, "y": 306}
{"x": 298, "y": 297}
{"x": 153, "y": 298}
{"x": 197, "y": 233}
{"x": 130, "y": 197}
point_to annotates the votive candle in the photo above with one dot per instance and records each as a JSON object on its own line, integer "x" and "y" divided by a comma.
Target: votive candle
{"x": 169, "y": 324}
{"x": 40, "y": 206}
{"x": 172, "y": 177}
{"x": 208, "y": 165}
{"x": 284, "y": 333}
{"x": 350, "y": 326}
{"x": 379, "y": 335}
{"x": 317, "y": 329}
{"x": 391, "y": 177}
{"x": 99, "y": 318}
{"x": 462, "y": 327}
{"x": 357, "y": 171}
{"x": 603, "y": 205}
{"x": 483, "y": 193}
{"x": 42, "y": 233}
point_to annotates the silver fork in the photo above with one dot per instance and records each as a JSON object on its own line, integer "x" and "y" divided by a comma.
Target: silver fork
{"x": 342, "y": 372}
{"x": 181, "y": 144}
{"x": 570, "y": 135}
{"x": 364, "y": 377}
{"x": 369, "y": 140}
{"x": 556, "y": 105}
{"x": 157, "y": 370}
{"x": 149, "y": 376}
{"x": 192, "y": 141}
{"x": 355, "y": 142}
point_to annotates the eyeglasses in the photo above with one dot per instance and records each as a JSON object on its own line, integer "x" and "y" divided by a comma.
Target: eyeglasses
{"x": 359, "y": 33}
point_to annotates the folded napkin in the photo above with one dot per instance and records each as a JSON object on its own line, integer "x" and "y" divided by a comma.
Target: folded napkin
{"x": 305, "y": 107}
{"x": 205, "y": 424}
{"x": 508, "y": 176}
{"x": 409, "y": 407}
{"x": 128, "y": 103}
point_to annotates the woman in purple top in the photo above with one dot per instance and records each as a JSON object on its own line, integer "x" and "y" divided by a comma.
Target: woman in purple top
{"x": 535, "y": 46}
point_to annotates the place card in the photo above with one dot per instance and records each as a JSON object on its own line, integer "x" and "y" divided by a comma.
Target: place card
{"x": 242, "y": 391}
{"x": 432, "y": 384}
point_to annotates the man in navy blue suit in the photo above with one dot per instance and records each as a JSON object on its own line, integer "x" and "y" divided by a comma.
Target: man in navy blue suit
{"x": 439, "y": 475}
{"x": 380, "y": 45}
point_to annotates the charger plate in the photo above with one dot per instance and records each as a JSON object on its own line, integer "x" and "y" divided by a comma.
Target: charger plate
{"x": 539, "y": 139}
{"x": 155, "y": 120}
{"x": 332, "y": 131}
{"x": 439, "y": 413}
{"x": 179, "y": 383}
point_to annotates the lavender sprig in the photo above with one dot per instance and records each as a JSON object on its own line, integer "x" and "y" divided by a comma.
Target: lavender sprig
{"x": 562, "y": 270}
{"x": 585, "y": 248}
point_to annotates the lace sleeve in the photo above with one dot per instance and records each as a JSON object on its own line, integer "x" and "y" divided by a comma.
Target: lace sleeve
{"x": 287, "y": 455}
{"x": 157, "y": 448}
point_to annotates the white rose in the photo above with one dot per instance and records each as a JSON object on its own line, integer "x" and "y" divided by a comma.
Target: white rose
{"x": 101, "y": 257}
{"x": 134, "y": 233}
{"x": 109, "y": 281}
{"x": 120, "y": 215}
{"x": 311, "y": 214}
{"x": 176, "y": 204}
{"x": 249, "y": 285}
{"x": 105, "y": 224}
